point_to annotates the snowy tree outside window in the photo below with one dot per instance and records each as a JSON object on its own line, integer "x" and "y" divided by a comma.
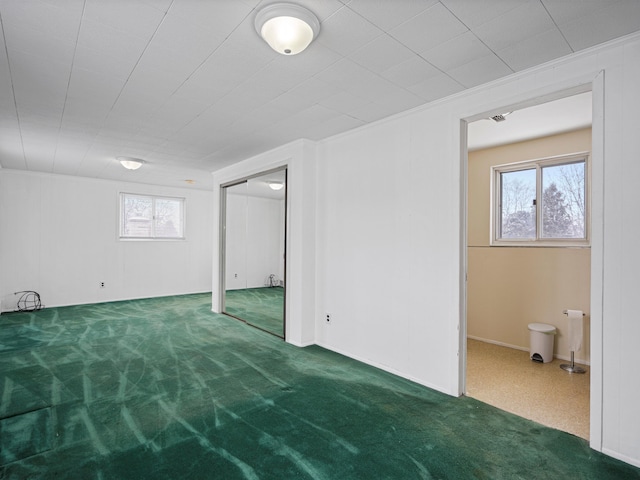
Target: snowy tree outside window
{"x": 542, "y": 201}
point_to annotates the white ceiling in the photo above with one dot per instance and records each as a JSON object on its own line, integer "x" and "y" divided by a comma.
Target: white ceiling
{"x": 188, "y": 86}
{"x": 564, "y": 115}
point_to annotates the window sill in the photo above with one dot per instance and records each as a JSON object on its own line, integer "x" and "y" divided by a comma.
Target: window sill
{"x": 541, "y": 243}
{"x": 151, "y": 239}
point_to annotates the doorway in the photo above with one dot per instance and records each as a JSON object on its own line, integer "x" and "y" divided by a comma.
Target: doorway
{"x": 512, "y": 285}
{"x": 254, "y": 222}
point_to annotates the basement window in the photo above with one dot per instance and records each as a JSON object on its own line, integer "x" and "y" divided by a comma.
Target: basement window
{"x": 541, "y": 202}
{"x": 151, "y": 217}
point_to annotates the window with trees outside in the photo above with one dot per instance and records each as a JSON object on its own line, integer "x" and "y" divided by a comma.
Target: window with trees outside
{"x": 542, "y": 202}
{"x": 151, "y": 217}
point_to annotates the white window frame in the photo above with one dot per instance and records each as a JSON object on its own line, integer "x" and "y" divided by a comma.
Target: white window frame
{"x": 538, "y": 165}
{"x": 153, "y": 198}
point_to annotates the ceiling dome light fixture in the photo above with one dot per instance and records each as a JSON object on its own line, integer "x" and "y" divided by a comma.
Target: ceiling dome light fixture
{"x": 286, "y": 27}
{"x": 275, "y": 185}
{"x": 130, "y": 163}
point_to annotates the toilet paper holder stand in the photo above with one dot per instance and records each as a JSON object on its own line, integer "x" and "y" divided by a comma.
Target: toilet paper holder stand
{"x": 572, "y": 367}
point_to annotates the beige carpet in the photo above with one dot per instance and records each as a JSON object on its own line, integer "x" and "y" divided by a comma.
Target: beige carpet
{"x": 506, "y": 378}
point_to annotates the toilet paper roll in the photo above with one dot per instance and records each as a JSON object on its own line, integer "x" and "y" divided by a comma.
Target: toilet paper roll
{"x": 575, "y": 329}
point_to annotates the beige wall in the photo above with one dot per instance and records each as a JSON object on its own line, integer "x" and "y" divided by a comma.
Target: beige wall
{"x": 510, "y": 287}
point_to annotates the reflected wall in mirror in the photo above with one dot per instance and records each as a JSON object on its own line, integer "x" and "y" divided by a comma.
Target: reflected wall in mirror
{"x": 254, "y": 251}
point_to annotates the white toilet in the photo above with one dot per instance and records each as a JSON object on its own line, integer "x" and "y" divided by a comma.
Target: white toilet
{"x": 541, "y": 342}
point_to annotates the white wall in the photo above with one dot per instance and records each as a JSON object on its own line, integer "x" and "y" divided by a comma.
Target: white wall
{"x": 390, "y": 240}
{"x": 59, "y": 237}
{"x": 264, "y": 256}
{"x": 236, "y": 240}
{"x": 254, "y": 240}
{"x": 388, "y": 247}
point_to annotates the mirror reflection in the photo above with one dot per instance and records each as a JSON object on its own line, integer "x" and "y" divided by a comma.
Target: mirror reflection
{"x": 255, "y": 226}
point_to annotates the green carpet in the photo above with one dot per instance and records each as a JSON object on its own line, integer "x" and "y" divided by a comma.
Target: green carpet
{"x": 260, "y": 307}
{"x": 165, "y": 389}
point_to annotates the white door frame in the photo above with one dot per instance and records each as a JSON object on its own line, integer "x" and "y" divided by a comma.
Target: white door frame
{"x": 597, "y": 242}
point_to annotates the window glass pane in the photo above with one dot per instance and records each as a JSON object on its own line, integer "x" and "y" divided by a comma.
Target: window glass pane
{"x": 143, "y": 216}
{"x": 517, "y": 204}
{"x": 168, "y": 218}
{"x": 136, "y": 216}
{"x": 563, "y": 201}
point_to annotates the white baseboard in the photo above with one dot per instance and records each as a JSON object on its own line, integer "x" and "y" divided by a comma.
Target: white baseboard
{"x": 501, "y": 344}
{"x": 581, "y": 361}
{"x": 631, "y": 461}
{"x": 301, "y": 345}
{"x": 388, "y": 369}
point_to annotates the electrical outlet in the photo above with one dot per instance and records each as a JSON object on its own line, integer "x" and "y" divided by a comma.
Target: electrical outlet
{"x": 101, "y": 284}
{"x": 235, "y": 275}
{"x": 328, "y": 318}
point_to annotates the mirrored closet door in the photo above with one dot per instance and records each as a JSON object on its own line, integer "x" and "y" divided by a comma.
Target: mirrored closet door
{"x": 254, "y": 250}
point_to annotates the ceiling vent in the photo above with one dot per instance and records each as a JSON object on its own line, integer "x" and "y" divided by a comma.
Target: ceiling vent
{"x": 501, "y": 117}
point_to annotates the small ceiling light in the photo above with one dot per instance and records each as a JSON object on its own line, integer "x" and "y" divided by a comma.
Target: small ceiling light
{"x": 275, "y": 185}
{"x": 287, "y": 28}
{"x": 130, "y": 163}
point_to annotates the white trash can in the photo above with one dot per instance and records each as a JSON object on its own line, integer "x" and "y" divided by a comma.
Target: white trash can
{"x": 541, "y": 342}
